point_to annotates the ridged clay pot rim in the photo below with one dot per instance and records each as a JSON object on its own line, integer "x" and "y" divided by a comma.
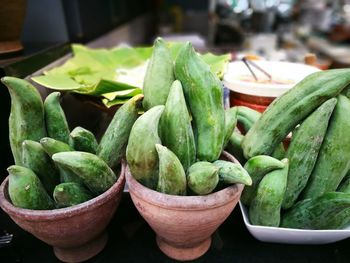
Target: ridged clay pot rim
{"x": 177, "y": 202}
{"x": 59, "y": 213}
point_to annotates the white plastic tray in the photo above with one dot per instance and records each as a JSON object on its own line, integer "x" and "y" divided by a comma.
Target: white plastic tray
{"x": 292, "y": 236}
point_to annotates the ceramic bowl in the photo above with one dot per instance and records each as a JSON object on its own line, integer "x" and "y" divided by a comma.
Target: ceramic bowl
{"x": 76, "y": 233}
{"x": 292, "y": 236}
{"x": 183, "y": 224}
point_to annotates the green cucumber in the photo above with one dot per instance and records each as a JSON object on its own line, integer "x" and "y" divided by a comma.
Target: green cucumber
{"x": 234, "y": 146}
{"x": 339, "y": 220}
{"x": 230, "y": 123}
{"x": 265, "y": 208}
{"x": 26, "y": 121}
{"x": 175, "y": 128}
{"x": 83, "y": 140}
{"x": 247, "y": 117}
{"x": 26, "y": 191}
{"x": 204, "y": 95}
{"x": 52, "y": 146}
{"x": 202, "y": 177}
{"x": 69, "y": 194}
{"x": 232, "y": 173}
{"x": 172, "y": 177}
{"x": 333, "y": 160}
{"x": 55, "y": 119}
{"x": 113, "y": 143}
{"x": 344, "y": 185}
{"x": 35, "y": 158}
{"x": 317, "y": 213}
{"x": 159, "y": 76}
{"x": 257, "y": 167}
{"x": 94, "y": 172}
{"x": 284, "y": 113}
{"x": 303, "y": 150}
{"x": 141, "y": 153}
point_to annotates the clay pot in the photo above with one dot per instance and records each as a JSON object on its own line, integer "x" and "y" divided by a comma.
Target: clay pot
{"x": 12, "y": 13}
{"x": 183, "y": 224}
{"x": 76, "y": 233}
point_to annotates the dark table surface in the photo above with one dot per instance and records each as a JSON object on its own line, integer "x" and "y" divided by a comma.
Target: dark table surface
{"x": 132, "y": 240}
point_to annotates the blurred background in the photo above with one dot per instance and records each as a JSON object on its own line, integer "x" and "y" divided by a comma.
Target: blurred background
{"x": 34, "y": 33}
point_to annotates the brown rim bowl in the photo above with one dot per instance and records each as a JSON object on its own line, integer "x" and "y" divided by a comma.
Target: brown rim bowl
{"x": 184, "y": 224}
{"x": 76, "y": 233}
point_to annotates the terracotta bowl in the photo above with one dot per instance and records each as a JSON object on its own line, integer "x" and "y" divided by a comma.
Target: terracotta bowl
{"x": 184, "y": 224}
{"x": 76, "y": 233}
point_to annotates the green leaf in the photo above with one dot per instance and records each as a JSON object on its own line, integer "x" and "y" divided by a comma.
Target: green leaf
{"x": 111, "y": 103}
{"x": 122, "y": 94}
{"x": 217, "y": 63}
{"x": 57, "y": 82}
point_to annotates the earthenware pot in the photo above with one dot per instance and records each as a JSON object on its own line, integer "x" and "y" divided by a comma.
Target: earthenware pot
{"x": 184, "y": 224}
{"x": 76, "y": 233}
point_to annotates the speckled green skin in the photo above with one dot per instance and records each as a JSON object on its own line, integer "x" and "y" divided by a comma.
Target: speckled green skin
{"x": 26, "y": 121}
{"x": 344, "y": 185}
{"x": 175, "y": 128}
{"x": 159, "y": 76}
{"x": 303, "y": 150}
{"x": 55, "y": 119}
{"x": 52, "y": 146}
{"x": 202, "y": 177}
{"x": 172, "y": 177}
{"x": 35, "y": 158}
{"x": 94, "y": 172}
{"x": 83, "y": 140}
{"x": 234, "y": 147}
{"x": 333, "y": 160}
{"x": 339, "y": 220}
{"x": 291, "y": 108}
{"x": 69, "y": 194}
{"x": 232, "y": 173}
{"x": 317, "y": 213}
{"x": 265, "y": 208}
{"x": 204, "y": 95}
{"x": 230, "y": 123}
{"x": 257, "y": 167}
{"x": 141, "y": 153}
{"x": 26, "y": 190}
{"x": 112, "y": 146}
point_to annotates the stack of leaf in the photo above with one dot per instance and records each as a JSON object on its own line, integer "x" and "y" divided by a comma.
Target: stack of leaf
{"x": 113, "y": 75}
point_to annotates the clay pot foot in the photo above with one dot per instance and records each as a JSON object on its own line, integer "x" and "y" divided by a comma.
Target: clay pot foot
{"x": 82, "y": 253}
{"x": 183, "y": 253}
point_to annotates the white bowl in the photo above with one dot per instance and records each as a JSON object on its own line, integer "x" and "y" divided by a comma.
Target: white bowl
{"x": 292, "y": 236}
{"x": 294, "y": 72}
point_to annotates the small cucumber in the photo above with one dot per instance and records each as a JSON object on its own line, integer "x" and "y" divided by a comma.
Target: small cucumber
{"x": 333, "y": 160}
{"x": 26, "y": 190}
{"x": 94, "y": 172}
{"x": 26, "y": 121}
{"x": 159, "y": 76}
{"x": 113, "y": 143}
{"x": 55, "y": 119}
{"x": 265, "y": 208}
{"x": 83, "y": 140}
{"x": 230, "y": 123}
{"x": 202, "y": 177}
{"x": 345, "y": 185}
{"x": 234, "y": 147}
{"x": 303, "y": 150}
{"x": 247, "y": 117}
{"x": 52, "y": 146}
{"x": 172, "y": 177}
{"x": 232, "y": 173}
{"x": 35, "y": 158}
{"x": 175, "y": 127}
{"x": 317, "y": 213}
{"x": 141, "y": 153}
{"x": 204, "y": 95}
{"x": 284, "y": 113}
{"x": 69, "y": 194}
{"x": 257, "y": 167}
{"x": 338, "y": 221}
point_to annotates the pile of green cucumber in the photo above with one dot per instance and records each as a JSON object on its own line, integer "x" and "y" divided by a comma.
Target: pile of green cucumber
{"x": 308, "y": 185}
{"x": 56, "y": 168}
{"x": 175, "y": 145}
